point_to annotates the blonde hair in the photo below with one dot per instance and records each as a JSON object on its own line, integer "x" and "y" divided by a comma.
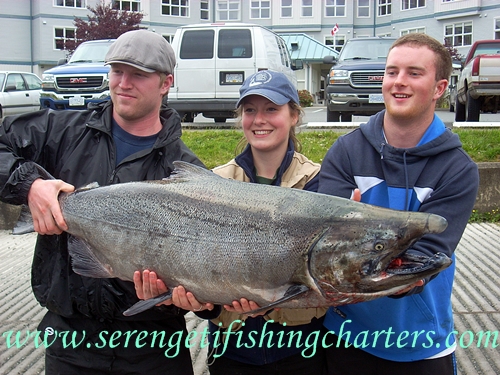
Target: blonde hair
{"x": 293, "y": 107}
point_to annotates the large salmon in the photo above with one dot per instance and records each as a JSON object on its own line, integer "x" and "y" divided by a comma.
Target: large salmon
{"x": 223, "y": 239}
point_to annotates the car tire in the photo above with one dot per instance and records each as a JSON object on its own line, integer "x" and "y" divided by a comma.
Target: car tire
{"x": 346, "y": 117}
{"x": 459, "y": 111}
{"x": 332, "y": 116}
{"x": 473, "y": 108}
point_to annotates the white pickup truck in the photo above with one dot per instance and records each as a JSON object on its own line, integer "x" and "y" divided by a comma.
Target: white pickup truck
{"x": 478, "y": 87}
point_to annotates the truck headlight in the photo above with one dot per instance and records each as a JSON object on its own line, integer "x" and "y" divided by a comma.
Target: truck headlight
{"x": 48, "y": 81}
{"x": 339, "y": 76}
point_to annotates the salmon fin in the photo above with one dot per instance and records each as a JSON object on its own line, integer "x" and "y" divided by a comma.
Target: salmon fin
{"x": 24, "y": 222}
{"x": 84, "y": 262}
{"x": 147, "y": 304}
{"x": 186, "y": 171}
{"x": 292, "y": 292}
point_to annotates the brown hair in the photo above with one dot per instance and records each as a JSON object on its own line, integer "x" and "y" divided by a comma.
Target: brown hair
{"x": 443, "y": 61}
{"x": 293, "y": 107}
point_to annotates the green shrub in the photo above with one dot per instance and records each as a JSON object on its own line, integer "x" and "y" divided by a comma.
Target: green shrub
{"x": 305, "y": 98}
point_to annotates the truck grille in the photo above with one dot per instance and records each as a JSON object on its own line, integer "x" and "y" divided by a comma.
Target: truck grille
{"x": 366, "y": 79}
{"x": 87, "y": 82}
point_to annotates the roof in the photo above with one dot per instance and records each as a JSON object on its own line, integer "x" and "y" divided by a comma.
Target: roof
{"x": 305, "y": 48}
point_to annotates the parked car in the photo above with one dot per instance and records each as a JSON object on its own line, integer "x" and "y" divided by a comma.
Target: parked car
{"x": 452, "y": 97}
{"x": 19, "y": 93}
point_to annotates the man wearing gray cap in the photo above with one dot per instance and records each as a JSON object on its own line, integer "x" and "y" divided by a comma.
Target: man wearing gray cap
{"x": 129, "y": 138}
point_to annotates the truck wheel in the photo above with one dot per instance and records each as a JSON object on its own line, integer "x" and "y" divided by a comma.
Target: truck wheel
{"x": 473, "y": 108}
{"x": 332, "y": 116}
{"x": 186, "y": 116}
{"x": 346, "y": 117}
{"x": 459, "y": 111}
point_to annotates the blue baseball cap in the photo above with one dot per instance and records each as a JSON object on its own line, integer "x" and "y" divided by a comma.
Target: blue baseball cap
{"x": 274, "y": 86}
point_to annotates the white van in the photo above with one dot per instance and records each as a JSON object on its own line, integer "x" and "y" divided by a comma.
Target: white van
{"x": 213, "y": 60}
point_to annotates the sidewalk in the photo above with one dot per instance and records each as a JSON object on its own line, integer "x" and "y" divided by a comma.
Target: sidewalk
{"x": 476, "y": 305}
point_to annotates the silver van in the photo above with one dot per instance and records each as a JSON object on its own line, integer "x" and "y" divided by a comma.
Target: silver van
{"x": 213, "y": 60}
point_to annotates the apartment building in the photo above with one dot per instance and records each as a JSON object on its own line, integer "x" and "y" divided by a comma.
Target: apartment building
{"x": 33, "y": 31}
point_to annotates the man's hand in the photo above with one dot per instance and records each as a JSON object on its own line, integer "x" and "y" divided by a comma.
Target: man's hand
{"x": 243, "y": 306}
{"x": 44, "y": 205}
{"x": 408, "y": 288}
{"x": 148, "y": 285}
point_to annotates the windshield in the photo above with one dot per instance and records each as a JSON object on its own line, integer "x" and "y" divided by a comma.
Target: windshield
{"x": 90, "y": 52}
{"x": 370, "y": 49}
{"x": 2, "y": 78}
{"x": 487, "y": 49}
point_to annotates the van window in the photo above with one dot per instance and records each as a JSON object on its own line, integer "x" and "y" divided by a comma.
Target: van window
{"x": 234, "y": 44}
{"x": 197, "y": 44}
{"x": 285, "y": 57}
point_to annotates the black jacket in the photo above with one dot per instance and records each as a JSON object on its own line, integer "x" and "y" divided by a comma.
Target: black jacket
{"x": 77, "y": 147}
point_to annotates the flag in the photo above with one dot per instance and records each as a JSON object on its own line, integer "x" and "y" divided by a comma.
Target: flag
{"x": 335, "y": 29}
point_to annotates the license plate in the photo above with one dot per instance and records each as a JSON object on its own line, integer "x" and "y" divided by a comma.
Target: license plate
{"x": 376, "y": 98}
{"x": 234, "y": 78}
{"x": 77, "y": 101}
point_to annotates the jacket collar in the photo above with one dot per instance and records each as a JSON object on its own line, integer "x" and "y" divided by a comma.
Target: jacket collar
{"x": 101, "y": 120}
{"x": 245, "y": 161}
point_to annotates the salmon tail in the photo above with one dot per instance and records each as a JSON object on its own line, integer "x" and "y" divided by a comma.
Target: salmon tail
{"x": 147, "y": 304}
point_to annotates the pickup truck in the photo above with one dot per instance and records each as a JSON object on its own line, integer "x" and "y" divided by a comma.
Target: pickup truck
{"x": 354, "y": 83}
{"x": 478, "y": 86}
{"x": 80, "y": 81}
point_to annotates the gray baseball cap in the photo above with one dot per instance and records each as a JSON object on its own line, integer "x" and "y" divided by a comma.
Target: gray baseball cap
{"x": 143, "y": 50}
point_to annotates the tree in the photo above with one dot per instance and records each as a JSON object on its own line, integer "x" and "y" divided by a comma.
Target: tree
{"x": 455, "y": 56}
{"x": 105, "y": 23}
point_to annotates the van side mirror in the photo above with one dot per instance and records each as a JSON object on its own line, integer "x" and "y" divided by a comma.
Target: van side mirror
{"x": 329, "y": 60}
{"x": 297, "y": 64}
{"x": 62, "y": 61}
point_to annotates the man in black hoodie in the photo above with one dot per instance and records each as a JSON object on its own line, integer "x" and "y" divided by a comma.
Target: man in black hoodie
{"x": 129, "y": 138}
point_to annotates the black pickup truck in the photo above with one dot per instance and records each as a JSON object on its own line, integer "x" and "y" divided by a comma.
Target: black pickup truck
{"x": 355, "y": 80}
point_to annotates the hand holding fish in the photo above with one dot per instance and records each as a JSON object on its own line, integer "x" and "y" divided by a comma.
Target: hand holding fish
{"x": 406, "y": 290}
{"x": 148, "y": 286}
{"x": 44, "y": 205}
{"x": 243, "y": 306}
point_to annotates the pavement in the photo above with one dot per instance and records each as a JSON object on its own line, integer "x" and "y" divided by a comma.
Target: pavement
{"x": 476, "y": 306}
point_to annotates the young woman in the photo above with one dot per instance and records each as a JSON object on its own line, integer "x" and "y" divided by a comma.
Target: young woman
{"x": 269, "y": 112}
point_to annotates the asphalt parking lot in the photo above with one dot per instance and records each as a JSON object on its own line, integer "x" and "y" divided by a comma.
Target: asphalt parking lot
{"x": 476, "y": 306}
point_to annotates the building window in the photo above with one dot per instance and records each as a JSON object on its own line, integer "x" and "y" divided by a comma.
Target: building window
{"x": 70, "y": 3}
{"x": 363, "y": 8}
{"x": 336, "y": 41}
{"x": 260, "y": 9}
{"x": 61, "y": 34}
{"x": 497, "y": 28}
{"x": 335, "y": 8}
{"x": 228, "y": 10}
{"x": 286, "y": 8}
{"x": 384, "y": 7}
{"x": 128, "y": 5}
{"x": 414, "y": 30}
{"x": 176, "y": 8}
{"x": 205, "y": 10}
{"x": 458, "y": 34}
{"x": 168, "y": 37}
{"x": 307, "y": 8}
{"x": 412, "y": 4}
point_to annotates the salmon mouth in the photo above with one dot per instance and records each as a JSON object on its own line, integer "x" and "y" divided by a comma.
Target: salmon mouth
{"x": 412, "y": 264}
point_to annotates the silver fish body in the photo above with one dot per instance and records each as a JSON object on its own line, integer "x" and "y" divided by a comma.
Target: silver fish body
{"x": 223, "y": 240}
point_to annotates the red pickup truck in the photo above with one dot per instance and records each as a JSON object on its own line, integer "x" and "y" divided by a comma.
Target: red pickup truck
{"x": 478, "y": 87}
